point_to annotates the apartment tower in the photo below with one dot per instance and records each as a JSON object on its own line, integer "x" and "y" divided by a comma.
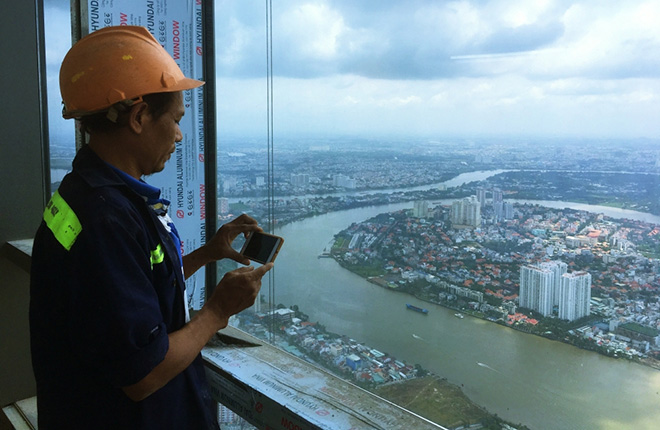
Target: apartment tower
{"x": 466, "y": 212}
{"x": 536, "y": 289}
{"x": 574, "y": 295}
{"x": 558, "y": 269}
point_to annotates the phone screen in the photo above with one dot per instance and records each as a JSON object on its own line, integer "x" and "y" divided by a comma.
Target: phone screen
{"x": 262, "y": 247}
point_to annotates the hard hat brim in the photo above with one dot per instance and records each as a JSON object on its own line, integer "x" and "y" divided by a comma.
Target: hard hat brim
{"x": 116, "y": 64}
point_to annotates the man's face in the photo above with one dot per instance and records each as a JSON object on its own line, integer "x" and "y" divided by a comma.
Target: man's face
{"x": 161, "y": 135}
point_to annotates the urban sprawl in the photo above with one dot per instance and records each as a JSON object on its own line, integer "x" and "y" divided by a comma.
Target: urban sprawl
{"x": 571, "y": 275}
{"x": 564, "y": 274}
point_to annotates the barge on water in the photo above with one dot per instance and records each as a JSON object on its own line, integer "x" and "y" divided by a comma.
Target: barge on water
{"x": 416, "y": 309}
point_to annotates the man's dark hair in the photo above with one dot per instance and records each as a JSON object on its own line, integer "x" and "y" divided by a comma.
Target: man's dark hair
{"x": 157, "y": 103}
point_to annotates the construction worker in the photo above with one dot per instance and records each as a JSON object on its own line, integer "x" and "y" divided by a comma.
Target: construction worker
{"x": 113, "y": 345}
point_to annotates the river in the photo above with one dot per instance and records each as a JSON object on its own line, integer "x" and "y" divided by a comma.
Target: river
{"x": 522, "y": 378}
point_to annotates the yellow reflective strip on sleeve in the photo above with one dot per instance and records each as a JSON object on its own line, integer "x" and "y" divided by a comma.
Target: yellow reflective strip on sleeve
{"x": 157, "y": 256}
{"x": 62, "y": 221}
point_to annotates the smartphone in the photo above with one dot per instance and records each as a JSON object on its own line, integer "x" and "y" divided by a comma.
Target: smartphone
{"x": 262, "y": 247}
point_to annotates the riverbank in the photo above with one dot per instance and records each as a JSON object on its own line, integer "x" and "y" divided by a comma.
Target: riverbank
{"x": 533, "y": 191}
{"x": 441, "y": 402}
{"x": 409, "y": 386}
{"x": 546, "y": 385}
{"x": 523, "y": 328}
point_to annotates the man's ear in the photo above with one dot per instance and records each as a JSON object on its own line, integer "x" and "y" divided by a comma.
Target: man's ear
{"x": 137, "y": 116}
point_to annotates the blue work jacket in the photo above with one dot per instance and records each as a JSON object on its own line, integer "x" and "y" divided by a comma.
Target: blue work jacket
{"x": 106, "y": 289}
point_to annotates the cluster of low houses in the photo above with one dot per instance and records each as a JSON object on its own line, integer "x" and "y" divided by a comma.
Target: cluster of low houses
{"x": 363, "y": 362}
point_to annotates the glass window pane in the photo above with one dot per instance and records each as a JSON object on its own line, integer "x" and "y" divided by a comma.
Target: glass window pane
{"x": 57, "y": 21}
{"x": 468, "y": 195}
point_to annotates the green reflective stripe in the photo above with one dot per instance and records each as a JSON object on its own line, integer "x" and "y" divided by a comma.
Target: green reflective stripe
{"x": 62, "y": 221}
{"x": 157, "y": 256}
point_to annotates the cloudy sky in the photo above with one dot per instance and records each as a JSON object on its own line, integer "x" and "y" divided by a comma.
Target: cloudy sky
{"x": 436, "y": 68}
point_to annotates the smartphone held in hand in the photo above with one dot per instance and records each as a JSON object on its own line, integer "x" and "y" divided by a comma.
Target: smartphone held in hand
{"x": 262, "y": 247}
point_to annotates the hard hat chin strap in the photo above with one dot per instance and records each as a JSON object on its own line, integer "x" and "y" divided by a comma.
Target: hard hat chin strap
{"x": 120, "y": 107}
{"x": 112, "y": 113}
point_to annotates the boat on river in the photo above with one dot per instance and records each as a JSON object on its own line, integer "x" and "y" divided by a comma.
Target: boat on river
{"x": 416, "y": 309}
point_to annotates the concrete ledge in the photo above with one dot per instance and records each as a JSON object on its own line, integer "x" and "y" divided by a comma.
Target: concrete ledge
{"x": 21, "y": 415}
{"x": 271, "y": 388}
{"x": 19, "y": 252}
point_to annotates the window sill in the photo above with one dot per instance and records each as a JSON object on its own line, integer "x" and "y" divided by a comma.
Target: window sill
{"x": 271, "y": 388}
{"x": 21, "y": 415}
{"x": 19, "y": 252}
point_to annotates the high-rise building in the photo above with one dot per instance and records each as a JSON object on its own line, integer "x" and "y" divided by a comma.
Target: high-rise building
{"x": 536, "y": 289}
{"x": 558, "y": 269}
{"x": 223, "y": 205}
{"x": 498, "y": 195}
{"x": 466, "y": 212}
{"x": 343, "y": 181}
{"x": 421, "y": 209}
{"x": 227, "y": 416}
{"x": 574, "y": 295}
{"x": 508, "y": 210}
{"x": 300, "y": 180}
{"x": 481, "y": 196}
{"x": 548, "y": 284}
{"x": 498, "y": 210}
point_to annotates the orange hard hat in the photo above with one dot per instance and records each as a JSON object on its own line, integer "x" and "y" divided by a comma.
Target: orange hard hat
{"x": 116, "y": 64}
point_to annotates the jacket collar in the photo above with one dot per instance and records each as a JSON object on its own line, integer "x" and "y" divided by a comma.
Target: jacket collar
{"x": 96, "y": 172}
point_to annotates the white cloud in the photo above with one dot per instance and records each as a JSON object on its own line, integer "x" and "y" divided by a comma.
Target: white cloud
{"x": 453, "y": 25}
{"x": 397, "y": 102}
{"x": 615, "y": 40}
{"x": 231, "y": 51}
{"x": 585, "y": 66}
{"x": 519, "y": 13}
{"x": 58, "y": 29}
{"x": 505, "y": 104}
{"x": 314, "y": 29}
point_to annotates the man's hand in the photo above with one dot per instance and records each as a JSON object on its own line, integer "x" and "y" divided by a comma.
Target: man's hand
{"x": 237, "y": 290}
{"x": 219, "y": 246}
